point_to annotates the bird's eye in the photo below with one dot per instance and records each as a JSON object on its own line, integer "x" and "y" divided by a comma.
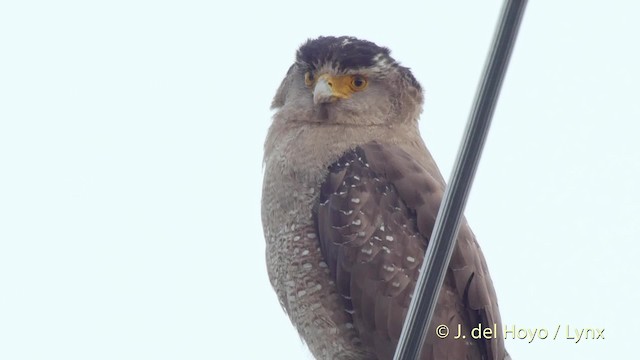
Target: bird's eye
{"x": 358, "y": 82}
{"x": 309, "y": 78}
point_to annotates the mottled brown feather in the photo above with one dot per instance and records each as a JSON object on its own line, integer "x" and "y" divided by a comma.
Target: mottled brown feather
{"x": 376, "y": 212}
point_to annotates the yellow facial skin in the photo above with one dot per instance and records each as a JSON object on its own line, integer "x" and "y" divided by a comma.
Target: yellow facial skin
{"x": 342, "y": 87}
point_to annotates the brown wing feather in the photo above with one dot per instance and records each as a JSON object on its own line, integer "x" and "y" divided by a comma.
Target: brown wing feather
{"x": 377, "y": 210}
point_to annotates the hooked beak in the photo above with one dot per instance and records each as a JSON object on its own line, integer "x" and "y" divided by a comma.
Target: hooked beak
{"x": 323, "y": 92}
{"x": 331, "y": 88}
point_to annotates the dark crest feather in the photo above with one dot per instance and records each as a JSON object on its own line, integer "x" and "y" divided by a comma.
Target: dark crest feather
{"x": 348, "y": 53}
{"x": 344, "y": 52}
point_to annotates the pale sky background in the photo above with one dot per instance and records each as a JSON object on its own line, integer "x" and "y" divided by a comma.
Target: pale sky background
{"x": 131, "y": 140}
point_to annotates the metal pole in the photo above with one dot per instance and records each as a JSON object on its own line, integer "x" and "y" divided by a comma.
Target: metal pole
{"x": 447, "y": 222}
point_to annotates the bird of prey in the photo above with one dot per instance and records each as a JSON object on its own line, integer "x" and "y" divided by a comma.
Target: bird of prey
{"x": 349, "y": 200}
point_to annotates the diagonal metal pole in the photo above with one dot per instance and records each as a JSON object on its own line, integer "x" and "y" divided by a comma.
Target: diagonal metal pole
{"x": 447, "y": 223}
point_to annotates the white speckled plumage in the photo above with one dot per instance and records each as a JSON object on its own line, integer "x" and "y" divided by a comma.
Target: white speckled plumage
{"x": 303, "y": 142}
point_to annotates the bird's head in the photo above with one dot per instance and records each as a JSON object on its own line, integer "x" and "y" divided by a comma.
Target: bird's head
{"x": 345, "y": 80}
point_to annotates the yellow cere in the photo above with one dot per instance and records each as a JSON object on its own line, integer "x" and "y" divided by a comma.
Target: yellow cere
{"x": 342, "y": 86}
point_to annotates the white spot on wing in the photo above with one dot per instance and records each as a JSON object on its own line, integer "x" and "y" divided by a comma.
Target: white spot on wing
{"x": 355, "y": 200}
{"x": 315, "y": 289}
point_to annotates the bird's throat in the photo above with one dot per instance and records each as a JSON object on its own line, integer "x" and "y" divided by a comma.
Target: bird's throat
{"x": 323, "y": 112}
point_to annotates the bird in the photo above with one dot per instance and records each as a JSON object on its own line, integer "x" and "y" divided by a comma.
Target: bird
{"x": 349, "y": 199}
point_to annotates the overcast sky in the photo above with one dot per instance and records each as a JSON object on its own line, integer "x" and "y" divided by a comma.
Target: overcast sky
{"x": 131, "y": 140}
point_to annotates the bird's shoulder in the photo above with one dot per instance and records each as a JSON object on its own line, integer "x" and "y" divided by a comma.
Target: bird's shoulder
{"x": 370, "y": 212}
{"x": 374, "y": 217}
